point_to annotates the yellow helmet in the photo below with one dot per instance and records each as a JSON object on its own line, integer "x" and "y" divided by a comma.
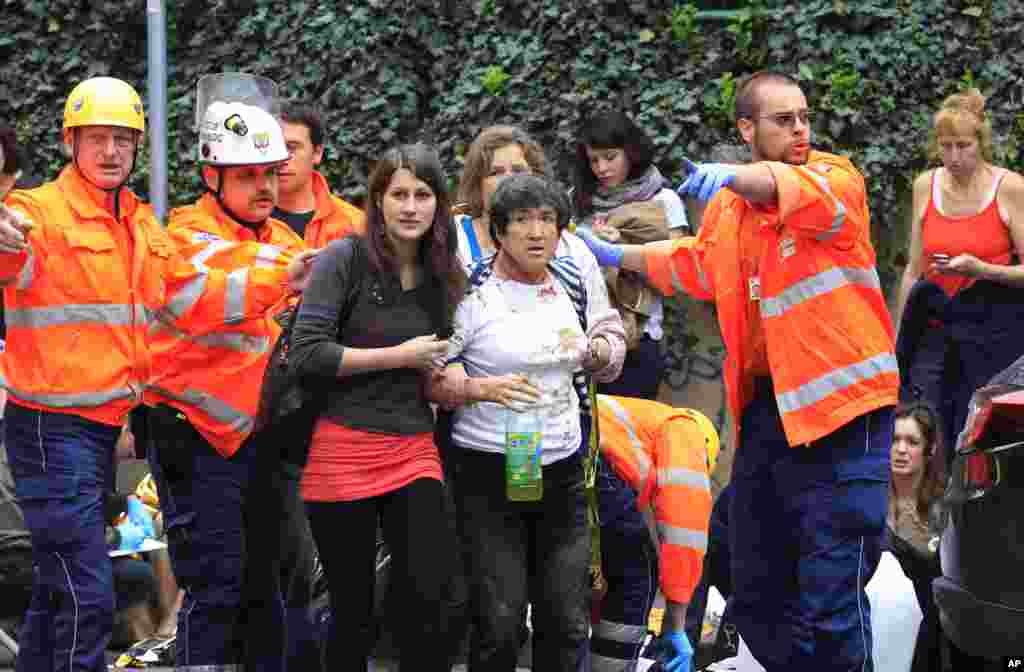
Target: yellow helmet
{"x": 711, "y": 441}
{"x": 104, "y": 101}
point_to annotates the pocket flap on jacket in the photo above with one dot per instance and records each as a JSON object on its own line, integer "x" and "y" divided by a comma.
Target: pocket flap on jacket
{"x": 96, "y": 241}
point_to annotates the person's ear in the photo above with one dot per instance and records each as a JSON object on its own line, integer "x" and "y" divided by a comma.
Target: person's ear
{"x": 746, "y": 129}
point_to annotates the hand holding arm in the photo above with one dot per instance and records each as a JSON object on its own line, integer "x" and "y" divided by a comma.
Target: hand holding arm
{"x": 299, "y": 270}
{"x": 453, "y": 387}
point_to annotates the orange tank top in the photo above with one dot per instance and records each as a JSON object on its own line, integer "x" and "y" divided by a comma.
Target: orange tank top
{"x": 983, "y": 235}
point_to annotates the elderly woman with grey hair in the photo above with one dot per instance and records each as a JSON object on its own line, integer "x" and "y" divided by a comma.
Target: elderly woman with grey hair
{"x": 530, "y": 315}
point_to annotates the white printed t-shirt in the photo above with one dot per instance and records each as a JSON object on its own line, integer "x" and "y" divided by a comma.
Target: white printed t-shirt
{"x": 508, "y": 327}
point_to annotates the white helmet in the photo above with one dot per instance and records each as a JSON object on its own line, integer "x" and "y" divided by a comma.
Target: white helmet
{"x": 235, "y": 134}
{"x": 237, "y": 119}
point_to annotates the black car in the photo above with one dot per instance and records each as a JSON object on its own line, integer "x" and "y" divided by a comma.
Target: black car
{"x": 980, "y": 594}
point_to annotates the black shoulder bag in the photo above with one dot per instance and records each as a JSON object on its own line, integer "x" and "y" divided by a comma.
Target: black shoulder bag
{"x": 290, "y": 404}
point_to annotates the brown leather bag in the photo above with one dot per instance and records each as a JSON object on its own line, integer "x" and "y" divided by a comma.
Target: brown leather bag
{"x": 636, "y": 224}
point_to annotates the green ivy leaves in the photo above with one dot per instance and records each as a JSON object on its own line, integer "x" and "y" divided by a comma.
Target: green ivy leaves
{"x": 440, "y": 70}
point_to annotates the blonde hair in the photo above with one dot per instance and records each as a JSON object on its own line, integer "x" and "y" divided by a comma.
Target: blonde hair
{"x": 962, "y": 114}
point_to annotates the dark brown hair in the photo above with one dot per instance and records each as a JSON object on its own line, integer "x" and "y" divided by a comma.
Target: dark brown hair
{"x": 934, "y": 479}
{"x": 297, "y": 112}
{"x": 437, "y": 247}
{"x": 480, "y": 155}
{"x": 608, "y": 130}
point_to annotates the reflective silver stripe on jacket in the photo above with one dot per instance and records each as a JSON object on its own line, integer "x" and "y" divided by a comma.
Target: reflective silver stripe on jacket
{"x": 214, "y": 407}
{"x": 683, "y": 476}
{"x": 213, "y": 247}
{"x": 818, "y": 285}
{"x": 186, "y": 297}
{"x": 226, "y": 341}
{"x": 28, "y": 271}
{"x": 835, "y": 381}
{"x": 681, "y": 536}
{"x": 234, "y": 299}
{"x": 112, "y": 314}
{"x": 266, "y": 255}
{"x": 71, "y": 400}
{"x": 837, "y": 221}
{"x": 643, "y": 461}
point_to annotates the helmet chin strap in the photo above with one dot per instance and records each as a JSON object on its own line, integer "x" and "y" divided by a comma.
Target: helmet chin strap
{"x": 219, "y": 195}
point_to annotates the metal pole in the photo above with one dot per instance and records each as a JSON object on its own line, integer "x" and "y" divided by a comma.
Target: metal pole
{"x": 156, "y": 47}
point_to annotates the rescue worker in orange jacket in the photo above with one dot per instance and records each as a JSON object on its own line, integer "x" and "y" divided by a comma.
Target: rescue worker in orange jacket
{"x": 655, "y": 502}
{"x": 306, "y": 203}
{"x": 785, "y": 253}
{"x": 205, "y": 390}
{"x": 88, "y": 270}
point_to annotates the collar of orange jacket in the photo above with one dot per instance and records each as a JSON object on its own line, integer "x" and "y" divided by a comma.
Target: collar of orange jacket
{"x": 322, "y": 196}
{"x": 208, "y": 206}
{"x": 89, "y": 201}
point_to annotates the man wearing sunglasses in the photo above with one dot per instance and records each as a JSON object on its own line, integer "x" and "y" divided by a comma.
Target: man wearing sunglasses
{"x": 785, "y": 253}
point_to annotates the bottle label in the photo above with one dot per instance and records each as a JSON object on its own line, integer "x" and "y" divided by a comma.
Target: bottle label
{"x": 523, "y": 472}
{"x": 523, "y": 454}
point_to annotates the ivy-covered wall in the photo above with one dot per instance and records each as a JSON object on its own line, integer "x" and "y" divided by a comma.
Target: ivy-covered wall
{"x": 439, "y": 70}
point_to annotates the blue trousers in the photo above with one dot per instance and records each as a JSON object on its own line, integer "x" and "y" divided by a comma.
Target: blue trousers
{"x": 806, "y": 531}
{"x": 202, "y": 496}
{"x": 629, "y": 562}
{"x": 63, "y": 467}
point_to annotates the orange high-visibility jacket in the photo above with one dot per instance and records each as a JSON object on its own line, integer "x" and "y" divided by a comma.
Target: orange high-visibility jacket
{"x": 661, "y": 452}
{"x": 827, "y": 330}
{"x": 334, "y": 217}
{"x": 214, "y": 377}
{"x": 81, "y": 298}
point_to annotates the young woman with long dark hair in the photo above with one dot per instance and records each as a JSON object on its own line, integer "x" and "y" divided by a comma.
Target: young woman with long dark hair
{"x": 373, "y": 319}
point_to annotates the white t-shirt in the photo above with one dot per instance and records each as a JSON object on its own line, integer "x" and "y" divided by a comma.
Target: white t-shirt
{"x": 506, "y": 327}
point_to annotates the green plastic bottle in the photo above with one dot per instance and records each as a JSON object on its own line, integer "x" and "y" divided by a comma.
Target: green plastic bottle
{"x": 523, "y": 472}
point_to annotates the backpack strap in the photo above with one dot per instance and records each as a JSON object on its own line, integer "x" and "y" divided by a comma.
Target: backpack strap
{"x": 474, "y": 245}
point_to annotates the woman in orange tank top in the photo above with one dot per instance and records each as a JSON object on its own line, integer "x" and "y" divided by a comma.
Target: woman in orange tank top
{"x": 968, "y": 214}
{"x": 967, "y": 237}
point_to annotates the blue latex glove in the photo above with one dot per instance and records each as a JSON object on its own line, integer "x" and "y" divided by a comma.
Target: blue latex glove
{"x": 684, "y": 652}
{"x": 608, "y": 254}
{"x": 132, "y": 536}
{"x": 705, "y": 179}
{"x": 139, "y": 516}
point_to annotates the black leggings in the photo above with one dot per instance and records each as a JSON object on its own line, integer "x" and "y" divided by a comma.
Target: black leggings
{"x": 419, "y": 536}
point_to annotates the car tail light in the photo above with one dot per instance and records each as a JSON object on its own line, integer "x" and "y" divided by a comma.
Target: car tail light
{"x": 981, "y": 471}
{"x": 974, "y": 428}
